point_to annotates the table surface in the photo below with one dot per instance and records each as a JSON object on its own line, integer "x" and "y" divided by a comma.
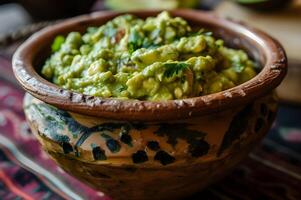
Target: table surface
{"x": 285, "y": 26}
{"x": 272, "y": 170}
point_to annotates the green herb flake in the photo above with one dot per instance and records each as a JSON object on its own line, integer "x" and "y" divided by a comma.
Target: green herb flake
{"x": 57, "y": 43}
{"x": 135, "y": 41}
{"x": 173, "y": 68}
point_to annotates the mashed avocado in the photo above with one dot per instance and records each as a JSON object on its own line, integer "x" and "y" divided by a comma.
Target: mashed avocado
{"x": 159, "y": 58}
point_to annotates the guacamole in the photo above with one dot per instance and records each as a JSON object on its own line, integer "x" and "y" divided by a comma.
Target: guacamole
{"x": 159, "y": 58}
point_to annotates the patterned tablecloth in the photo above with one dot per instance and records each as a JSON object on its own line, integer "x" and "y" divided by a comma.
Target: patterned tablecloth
{"x": 272, "y": 170}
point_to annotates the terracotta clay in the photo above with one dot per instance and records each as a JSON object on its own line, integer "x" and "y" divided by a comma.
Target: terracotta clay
{"x": 268, "y": 52}
{"x": 154, "y": 160}
{"x": 133, "y": 149}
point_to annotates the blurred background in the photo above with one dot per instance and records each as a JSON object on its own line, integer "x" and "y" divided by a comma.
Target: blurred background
{"x": 272, "y": 171}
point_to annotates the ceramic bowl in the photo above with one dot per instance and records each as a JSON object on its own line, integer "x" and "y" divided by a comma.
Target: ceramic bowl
{"x": 133, "y": 149}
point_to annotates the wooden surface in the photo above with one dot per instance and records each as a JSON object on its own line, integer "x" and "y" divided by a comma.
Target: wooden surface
{"x": 283, "y": 25}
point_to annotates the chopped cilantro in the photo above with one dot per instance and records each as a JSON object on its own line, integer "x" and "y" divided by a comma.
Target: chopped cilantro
{"x": 135, "y": 41}
{"x": 174, "y": 68}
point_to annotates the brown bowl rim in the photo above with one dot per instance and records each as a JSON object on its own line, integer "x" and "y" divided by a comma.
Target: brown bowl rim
{"x": 268, "y": 79}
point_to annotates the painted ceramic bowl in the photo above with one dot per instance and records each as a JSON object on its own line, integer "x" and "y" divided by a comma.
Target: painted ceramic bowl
{"x": 133, "y": 149}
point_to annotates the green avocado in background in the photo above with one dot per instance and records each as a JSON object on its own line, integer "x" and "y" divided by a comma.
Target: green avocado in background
{"x": 159, "y": 58}
{"x": 150, "y": 4}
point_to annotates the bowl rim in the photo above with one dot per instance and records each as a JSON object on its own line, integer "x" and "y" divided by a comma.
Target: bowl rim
{"x": 264, "y": 82}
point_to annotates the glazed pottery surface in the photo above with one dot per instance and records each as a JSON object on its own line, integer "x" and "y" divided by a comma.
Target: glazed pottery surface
{"x": 155, "y": 160}
{"x": 133, "y": 149}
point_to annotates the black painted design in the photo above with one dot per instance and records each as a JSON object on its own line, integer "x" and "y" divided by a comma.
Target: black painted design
{"x": 60, "y": 138}
{"x": 139, "y": 126}
{"x": 125, "y": 129}
{"x": 259, "y": 124}
{"x": 67, "y": 148}
{"x": 139, "y": 157}
{"x": 113, "y": 145}
{"x": 82, "y": 138}
{"x": 109, "y": 126}
{"x": 106, "y": 127}
{"x": 56, "y": 120}
{"x": 237, "y": 127}
{"x": 74, "y": 127}
{"x": 164, "y": 158}
{"x": 124, "y": 135}
{"x": 179, "y": 131}
{"x": 61, "y": 118}
{"x": 105, "y": 136}
{"x": 53, "y": 121}
{"x": 98, "y": 153}
{"x": 153, "y": 145}
{"x": 198, "y": 148}
{"x": 126, "y": 139}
